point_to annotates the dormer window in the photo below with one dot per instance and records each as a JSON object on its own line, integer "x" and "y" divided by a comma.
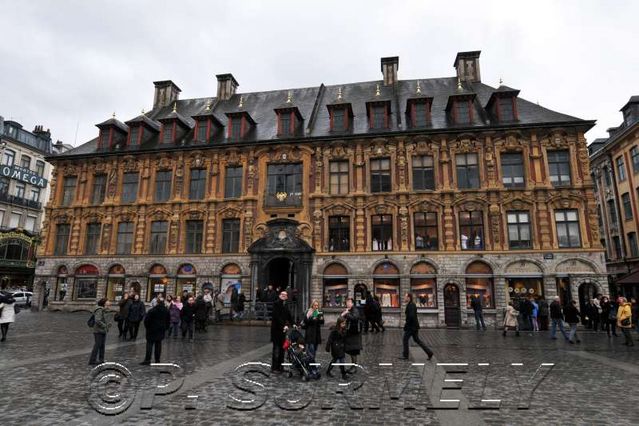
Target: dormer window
{"x": 285, "y": 124}
{"x": 341, "y": 116}
{"x": 134, "y": 136}
{"x": 378, "y": 113}
{"x": 168, "y": 132}
{"x": 239, "y": 125}
{"x": 419, "y": 112}
{"x": 202, "y": 131}
{"x": 502, "y": 104}
{"x": 105, "y": 137}
{"x": 506, "y": 109}
{"x": 462, "y": 112}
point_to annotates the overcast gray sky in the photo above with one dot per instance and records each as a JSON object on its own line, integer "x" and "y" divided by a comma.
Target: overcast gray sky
{"x": 69, "y": 64}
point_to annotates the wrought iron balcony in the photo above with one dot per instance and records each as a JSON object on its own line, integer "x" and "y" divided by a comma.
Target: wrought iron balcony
{"x": 283, "y": 199}
{"x": 19, "y": 201}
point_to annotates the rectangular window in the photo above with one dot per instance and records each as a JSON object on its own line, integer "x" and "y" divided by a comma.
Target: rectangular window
{"x": 512, "y": 168}
{"x": 125, "y": 238}
{"x": 380, "y": 175}
{"x": 378, "y": 117}
{"x": 462, "y": 112}
{"x": 338, "y": 175}
{"x": 634, "y": 154}
{"x": 99, "y": 189}
{"x": 627, "y": 206}
{"x": 467, "y": 171}
{"x": 612, "y": 211}
{"x": 339, "y": 233}
{"x": 568, "y": 234}
{"x": 632, "y": 243}
{"x": 233, "y": 182}
{"x": 194, "y": 234}
{"x": 35, "y": 195}
{"x": 14, "y": 220}
{"x": 163, "y": 185}
{"x": 4, "y": 185}
{"x": 471, "y": 230}
{"x": 20, "y": 188}
{"x": 519, "y": 230}
{"x": 419, "y": 114}
{"x": 559, "y": 167}
{"x": 25, "y": 162}
{"x": 9, "y": 157}
{"x": 30, "y": 223}
{"x": 202, "y": 129}
{"x": 92, "y": 239}
{"x": 621, "y": 169}
{"x": 168, "y": 133}
{"x": 285, "y": 123}
{"x": 284, "y": 185}
{"x": 616, "y": 242}
{"x": 230, "y": 235}
{"x": 1, "y": 218}
{"x": 134, "y": 134}
{"x": 68, "y": 190}
{"x": 423, "y": 173}
{"x": 506, "y": 111}
{"x": 130, "y": 187}
{"x": 338, "y": 116}
{"x": 159, "y": 229}
{"x": 426, "y": 231}
{"x": 236, "y": 127}
{"x": 62, "y": 232}
{"x": 40, "y": 168}
{"x": 382, "y": 232}
{"x": 607, "y": 179}
{"x": 197, "y": 184}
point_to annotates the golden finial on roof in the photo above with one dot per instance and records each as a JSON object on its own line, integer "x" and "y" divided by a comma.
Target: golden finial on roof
{"x": 175, "y": 107}
{"x": 143, "y": 111}
{"x": 241, "y": 104}
{"x": 500, "y": 81}
{"x": 113, "y": 115}
{"x": 419, "y": 88}
{"x": 289, "y": 97}
{"x": 208, "y": 106}
{"x": 339, "y": 94}
{"x": 377, "y": 90}
{"x": 459, "y": 85}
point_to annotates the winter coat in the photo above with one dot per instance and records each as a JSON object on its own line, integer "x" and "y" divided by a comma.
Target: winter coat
{"x": 281, "y": 317}
{"x": 543, "y": 308}
{"x": 200, "y": 309}
{"x": 605, "y": 310}
{"x": 353, "y": 340}
{"x": 555, "y": 311}
{"x": 313, "y": 328}
{"x": 596, "y": 306}
{"x": 335, "y": 344}
{"x": 174, "y": 312}
{"x": 156, "y": 322}
{"x": 124, "y": 305}
{"x": 572, "y": 314}
{"x": 510, "y": 319}
{"x": 412, "y": 322}
{"x": 624, "y": 312}
{"x": 219, "y": 302}
{"x": 475, "y": 303}
{"x": 137, "y": 311}
{"x": 188, "y": 312}
{"x": 8, "y": 312}
{"x": 241, "y": 299}
{"x": 101, "y": 324}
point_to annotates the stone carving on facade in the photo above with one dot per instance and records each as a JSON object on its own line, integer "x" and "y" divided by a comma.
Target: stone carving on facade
{"x": 251, "y": 173}
{"x": 163, "y": 163}
{"x": 179, "y": 180}
{"x": 129, "y": 164}
{"x": 233, "y": 157}
{"x": 248, "y": 228}
{"x": 403, "y": 220}
{"x": 319, "y": 169}
{"x": 173, "y": 233}
{"x": 523, "y": 267}
{"x": 196, "y": 160}
{"x": 555, "y": 140}
{"x": 593, "y": 220}
{"x": 106, "y": 236}
{"x": 465, "y": 144}
{"x": 112, "y": 183}
{"x": 495, "y": 223}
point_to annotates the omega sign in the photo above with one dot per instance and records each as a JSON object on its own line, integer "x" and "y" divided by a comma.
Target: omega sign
{"x": 18, "y": 173}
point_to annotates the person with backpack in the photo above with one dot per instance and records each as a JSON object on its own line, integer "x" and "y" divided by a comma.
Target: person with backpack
{"x": 98, "y": 322}
{"x": 335, "y": 345}
{"x": 572, "y": 315}
{"x": 156, "y": 322}
{"x": 136, "y": 315}
{"x": 8, "y": 310}
{"x": 353, "y": 342}
{"x": 475, "y": 303}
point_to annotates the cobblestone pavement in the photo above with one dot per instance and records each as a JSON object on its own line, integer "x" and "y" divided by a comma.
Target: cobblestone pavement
{"x": 45, "y": 379}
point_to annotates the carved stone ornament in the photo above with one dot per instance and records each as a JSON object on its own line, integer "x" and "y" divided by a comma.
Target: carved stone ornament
{"x": 130, "y": 165}
{"x": 163, "y": 163}
{"x": 196, "y": 160}
{"x": 112, "y": 183}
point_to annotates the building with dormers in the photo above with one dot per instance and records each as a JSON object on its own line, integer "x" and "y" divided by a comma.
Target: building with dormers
{"x": 445, "y": 187}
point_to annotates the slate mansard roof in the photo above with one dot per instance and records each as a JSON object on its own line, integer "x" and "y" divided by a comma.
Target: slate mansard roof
{"x": 312, "y": 104}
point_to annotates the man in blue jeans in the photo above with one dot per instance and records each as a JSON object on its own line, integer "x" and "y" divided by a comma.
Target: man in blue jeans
{"x": 475, "y": 303}
{"x": 557, "y": 318}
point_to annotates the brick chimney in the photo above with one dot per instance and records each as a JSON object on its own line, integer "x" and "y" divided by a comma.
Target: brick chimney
{"x": 166, "y": 92}
{"x": 467, "y": 66}
{"x": 390, "y": 66}
{"x": 40, "y": 132}
{"x": 226, "y": 86}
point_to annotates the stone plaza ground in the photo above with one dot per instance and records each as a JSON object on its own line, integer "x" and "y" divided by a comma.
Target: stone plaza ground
{"x": 45, "y": 379}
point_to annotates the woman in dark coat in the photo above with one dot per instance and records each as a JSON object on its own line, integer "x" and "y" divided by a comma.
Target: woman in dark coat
{"x": 353, "y": 341}
{"x": 156, "y": 322}
{"x": 136, "y": 315}
{"x": 313, "y": 322}
{"x": 572, "y": 315}
{"x": 280, "y": 321}
{"x": 200, "y": 314}
{"x": 123, "y": 315}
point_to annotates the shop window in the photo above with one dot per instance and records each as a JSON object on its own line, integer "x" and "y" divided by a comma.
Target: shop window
{"x": 231, "y": 282}
{"x": 157, "y": 282}
{"x": 479, "y": 283}
{"x": 522, "y": 288}
{"x": 61, "y": 284}
{"x": 359, "y": 294}
{"x": 186, "y": 275}
{"x": 423, "y": 285}
{"x": 115, "y": 283}
{"x": 86, "y": 282}
{"x": 335, "y": 286}
{"x": 386, "y": 285}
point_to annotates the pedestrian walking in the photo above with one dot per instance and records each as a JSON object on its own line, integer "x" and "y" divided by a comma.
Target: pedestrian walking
{"x": 200, "y": 314}
{"x": 379, "y": 321}
{"x": 475, "y": 303}
{"x": 535, "y": 314}
{"x": 411, "y": 328}
{"x": 208, "y": 300}
{"x": 175, "y": 309}
{"x": 369, "y": 313}
{"x": 606, "y": 324}
{"x": 634, "y": 307}
{"x": 100, "y": 329}
{"x": 596, "y": 313}
{"x": 335, "y": 345}
{"x": 353, "y": 342}
{"x": 187, "y": 317}
{"x": 572, "y": 315}
{"x": 510, "y": 319}
{"x": 122, "y": 317}
{"x": 156, "y": 322}
{"x": 557, "y": 318}
{"x": 543, "y": 314}
{"x": 7, "y": 314}
{"x": 281, "y": 320}
{"x": 313, "y": 323}
{"x": 219, "y": 306}
{"x": 136, "y": 315}
{"x": 624, "y": 320}
{"x": 239, "y": 306}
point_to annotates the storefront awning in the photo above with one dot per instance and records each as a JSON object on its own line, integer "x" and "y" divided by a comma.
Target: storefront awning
{"x": 632, "y": 278}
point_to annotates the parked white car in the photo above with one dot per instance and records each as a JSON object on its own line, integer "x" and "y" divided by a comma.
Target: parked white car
{"x": 23, "y": 297}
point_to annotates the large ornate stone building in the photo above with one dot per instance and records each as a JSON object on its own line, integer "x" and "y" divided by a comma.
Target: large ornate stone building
{"x": 615, "y": 168}
{"x": 445, "y": 187}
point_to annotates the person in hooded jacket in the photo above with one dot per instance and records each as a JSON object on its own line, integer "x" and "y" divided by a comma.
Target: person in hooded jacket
{"x": 335, "y": 345}
{"x": 200, "y": 314}
{"x": 624, "y": 320}
{"x": 136, "y": 315}
{"x": 156, "y": 322}
{"x": 100, "y": 330}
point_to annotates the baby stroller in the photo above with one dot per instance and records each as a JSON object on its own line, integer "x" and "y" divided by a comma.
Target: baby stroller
{"x": 298, "y": 358}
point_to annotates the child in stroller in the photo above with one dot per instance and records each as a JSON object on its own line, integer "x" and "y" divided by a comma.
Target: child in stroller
{"x": 300, "y": 361}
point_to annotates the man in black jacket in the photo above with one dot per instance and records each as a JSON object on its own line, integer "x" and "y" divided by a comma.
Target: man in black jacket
{"x": 156, "y": 322}
{"x": 411, "y": 327}
{"x": 187, "y": 316}
{"x": 475, "y": 303}
{"x": 557, "y": 318}
{"x": 280, "y": 321}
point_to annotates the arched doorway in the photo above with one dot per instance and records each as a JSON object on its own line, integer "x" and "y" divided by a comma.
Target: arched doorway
{"x": 587, "y": 292}
{"x": 452, "y": 311}
{"x": 157, "y": 282}
{"x": 281, "y": 273}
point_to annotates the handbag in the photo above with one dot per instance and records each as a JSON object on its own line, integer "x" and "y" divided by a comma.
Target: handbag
{"x": 625, "y": 322}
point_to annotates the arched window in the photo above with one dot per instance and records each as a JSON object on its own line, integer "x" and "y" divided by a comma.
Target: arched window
{"x": 386, "y": 285}
{"x": 479, "y": 283}
{"x": 423, "y": 285}
{"x": 61, "y": 286}
{"x": 14, "y": 249}
{"x": 115, "y": 283}
{"x": 157, "y": 281}
{"x": 185, "y": 280}
{"x": 230, "y": 282}
{"x": 335, "y": 286}
{"x": 86, "y": 282}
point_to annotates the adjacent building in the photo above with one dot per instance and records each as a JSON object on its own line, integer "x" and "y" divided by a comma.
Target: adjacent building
{"x": 615, "y": 169}
{"x": 444, "y": 187}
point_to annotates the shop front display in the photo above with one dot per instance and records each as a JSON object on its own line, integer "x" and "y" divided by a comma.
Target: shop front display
{"x": 524, "y": 288}
{"x": 115, "y": 283}
{"x": 386, "y": 285}
{"x": 86, "y": 282}
{"x": 157, "y": 282}
{"x": 186, "y": 280}
{"x": 423, "y": 285}
{"x": 479, "y": 283}
{"x": 335, "y": 283}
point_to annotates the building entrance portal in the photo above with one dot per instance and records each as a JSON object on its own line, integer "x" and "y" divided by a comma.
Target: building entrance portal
{"x": 281, "y": 273}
